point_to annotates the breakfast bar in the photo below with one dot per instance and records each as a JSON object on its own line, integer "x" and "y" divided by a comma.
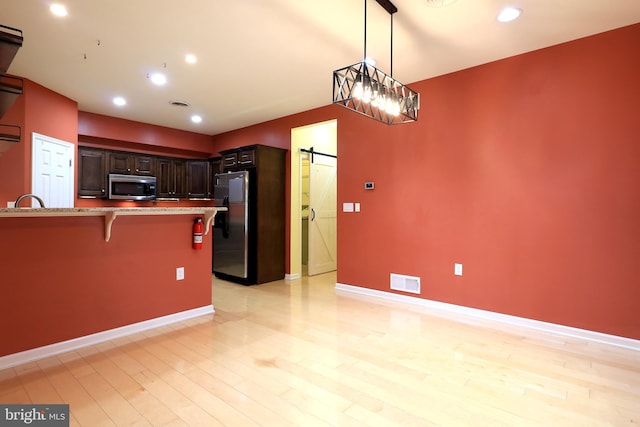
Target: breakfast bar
{"x": 71, "y": 274}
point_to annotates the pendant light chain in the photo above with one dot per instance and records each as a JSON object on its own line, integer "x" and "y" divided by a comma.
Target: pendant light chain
{"x": 364, "y": 57}
{"x": 391, "y": 70}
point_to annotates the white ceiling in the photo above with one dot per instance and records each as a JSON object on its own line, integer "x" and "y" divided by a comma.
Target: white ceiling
{"x": 263, "y": 59}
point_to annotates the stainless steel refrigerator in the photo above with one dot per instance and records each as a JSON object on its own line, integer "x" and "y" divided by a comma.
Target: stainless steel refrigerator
{"x": 231, "y": 228}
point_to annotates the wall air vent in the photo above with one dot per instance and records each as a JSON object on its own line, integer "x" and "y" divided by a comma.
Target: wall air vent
{"x": 400, "y": 282}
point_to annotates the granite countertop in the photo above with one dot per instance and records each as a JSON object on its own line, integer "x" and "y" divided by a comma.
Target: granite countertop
{"x": 110, "y": 214}
{"x": 103, "y": 211}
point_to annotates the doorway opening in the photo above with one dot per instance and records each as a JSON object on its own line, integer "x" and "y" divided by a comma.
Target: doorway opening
{"x": 313, "y": 199}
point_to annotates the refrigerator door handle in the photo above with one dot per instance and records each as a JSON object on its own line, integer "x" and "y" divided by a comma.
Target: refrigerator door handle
{"x": 221, "y": 220}
{"x": 227, "y": 222}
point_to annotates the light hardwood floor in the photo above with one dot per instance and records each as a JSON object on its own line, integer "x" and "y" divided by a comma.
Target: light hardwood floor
{"x": 298, "y": 354}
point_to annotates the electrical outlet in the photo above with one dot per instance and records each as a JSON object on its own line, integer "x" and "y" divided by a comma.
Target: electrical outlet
{"x": 357, "y": 206}
{"x": 457, "y": 269}
{"x": 180, "y": 273}
{"x": 11, "y": 204}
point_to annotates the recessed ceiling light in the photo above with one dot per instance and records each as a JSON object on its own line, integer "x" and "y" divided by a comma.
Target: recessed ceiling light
{"x": 509, "y": 14}
{"x": 119, "y": 101}
{"x": 158, "y": 79}
{"x": 58, "y": 9}
{"x": 196, "y": 118}
{"x": 190, "y": 58}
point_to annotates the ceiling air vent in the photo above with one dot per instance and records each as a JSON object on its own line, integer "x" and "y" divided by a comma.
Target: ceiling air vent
{"x": 179, "y": 103}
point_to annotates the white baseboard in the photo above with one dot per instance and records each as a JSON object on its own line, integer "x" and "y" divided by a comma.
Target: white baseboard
{"x": 475, "y": 316}
{"x": 99, "y": 337}
{"x": 292, "y": 276}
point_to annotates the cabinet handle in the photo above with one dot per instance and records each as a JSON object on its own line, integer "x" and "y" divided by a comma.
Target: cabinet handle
{"x": 128, "y": 170}
{"x": 313, "y": 214}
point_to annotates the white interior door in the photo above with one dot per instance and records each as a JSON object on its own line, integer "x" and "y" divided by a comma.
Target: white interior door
{"x": 322, "y": 214}
{"x": 52, "y": 171}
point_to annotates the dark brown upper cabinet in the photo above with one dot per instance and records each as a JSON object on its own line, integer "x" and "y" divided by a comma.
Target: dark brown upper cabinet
{"x": 199, "y": 179}
{"x": 171, "y": 176}
{"x": 239, "y": 159}
{"x": 92, "y": 175}
{"x": 216, "y": 165}
{"x": 131, "y": 164}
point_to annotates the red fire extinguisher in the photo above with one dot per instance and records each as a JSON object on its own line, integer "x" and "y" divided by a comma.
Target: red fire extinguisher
{"x": 198, "y": 229}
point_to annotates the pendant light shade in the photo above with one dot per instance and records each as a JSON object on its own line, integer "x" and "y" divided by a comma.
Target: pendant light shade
{"x": 369, "y": 91}
{"x": 365, "y": 89}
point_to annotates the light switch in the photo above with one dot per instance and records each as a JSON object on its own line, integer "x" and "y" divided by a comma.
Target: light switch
{"x": 347, "y": 207}
{"x": 457, "y": 269}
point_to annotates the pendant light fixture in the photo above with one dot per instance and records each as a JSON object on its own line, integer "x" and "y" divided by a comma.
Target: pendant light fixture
{"x": 365, "y": 89}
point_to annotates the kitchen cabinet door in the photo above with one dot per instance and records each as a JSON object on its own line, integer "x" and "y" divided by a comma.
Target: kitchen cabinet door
{"x": 216, "y": 165}
{"x": 144, "y": 165}
{"x": 198, "y": 179}
{"x": 91, "y": 172}
{"x": 180, "y": 178}
{"x": 239, "y": 159}
{"x": 131, "y": 164}
{"x": 171, "y": 178}
{"x": 120, "y": 163}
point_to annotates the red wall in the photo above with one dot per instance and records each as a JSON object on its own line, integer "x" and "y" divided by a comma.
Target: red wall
{"x": 62, "y": 280}
{"x": 524, "y": 170}
{"x": 129, "y": 135}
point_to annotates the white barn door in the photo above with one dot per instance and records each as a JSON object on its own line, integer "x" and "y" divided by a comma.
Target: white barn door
{"x": 322, "y": 214}
{"x": 52, "y": 171}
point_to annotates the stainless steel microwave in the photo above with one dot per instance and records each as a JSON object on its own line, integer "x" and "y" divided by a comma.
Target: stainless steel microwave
{"x": 131, "y": 187}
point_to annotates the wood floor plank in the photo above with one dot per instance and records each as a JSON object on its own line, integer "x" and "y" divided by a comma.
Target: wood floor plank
{"x": 112, "y": 402}
{"x": 184, "y": 408}
{"x": 170, "y": 369}
{"x": 41, "y": 391}
{"x": 84, "y": 408}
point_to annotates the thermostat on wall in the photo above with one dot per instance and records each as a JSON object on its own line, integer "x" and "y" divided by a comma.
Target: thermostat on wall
{"x": 368, "y": 185}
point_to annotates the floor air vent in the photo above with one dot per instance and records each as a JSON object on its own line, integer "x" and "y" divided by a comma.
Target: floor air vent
{"x": 400, "y": 282}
